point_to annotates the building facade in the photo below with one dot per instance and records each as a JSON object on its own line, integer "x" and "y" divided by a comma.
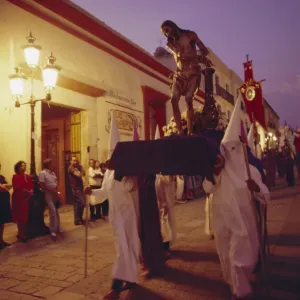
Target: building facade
{"x": 103, "y": 73}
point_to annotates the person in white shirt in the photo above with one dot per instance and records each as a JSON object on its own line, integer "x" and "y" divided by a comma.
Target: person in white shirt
{"x": 95, "y": 178}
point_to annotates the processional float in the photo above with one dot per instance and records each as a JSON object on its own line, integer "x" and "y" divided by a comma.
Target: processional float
{"x": 195, "y": 151}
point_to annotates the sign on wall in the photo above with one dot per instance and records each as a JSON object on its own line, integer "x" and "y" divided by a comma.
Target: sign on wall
{"x": 125, "y": 121}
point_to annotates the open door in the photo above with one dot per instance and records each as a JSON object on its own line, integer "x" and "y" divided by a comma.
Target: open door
{"x": 154, "y": 111}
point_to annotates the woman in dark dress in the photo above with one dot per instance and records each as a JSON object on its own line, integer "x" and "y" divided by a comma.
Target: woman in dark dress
{"x": 5, "y": 212}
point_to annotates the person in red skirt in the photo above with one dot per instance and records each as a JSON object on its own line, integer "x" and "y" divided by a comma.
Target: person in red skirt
{"x": 22, "y": 192}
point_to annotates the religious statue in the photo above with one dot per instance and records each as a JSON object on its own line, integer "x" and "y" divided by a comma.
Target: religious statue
{"x": 187, "y": 77}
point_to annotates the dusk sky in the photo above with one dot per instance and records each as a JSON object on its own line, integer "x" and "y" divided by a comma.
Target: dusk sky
{"x": 267, "y": 30}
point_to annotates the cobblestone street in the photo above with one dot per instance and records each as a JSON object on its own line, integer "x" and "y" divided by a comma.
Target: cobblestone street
{"x": 42, "y": 269}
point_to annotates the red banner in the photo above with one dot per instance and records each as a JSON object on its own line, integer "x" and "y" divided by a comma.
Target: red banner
{"x": 252, "y": 93}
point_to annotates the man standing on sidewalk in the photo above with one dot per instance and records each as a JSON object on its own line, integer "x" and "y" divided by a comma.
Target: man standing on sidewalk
{"x": 76, "y": 177}
{"x": 49, "y": 184}
{"x": 95, "y": 181}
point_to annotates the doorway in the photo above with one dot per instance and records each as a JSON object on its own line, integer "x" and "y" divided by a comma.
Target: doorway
{"x": 61, "y": 138}
{"x": 154, "y": 111}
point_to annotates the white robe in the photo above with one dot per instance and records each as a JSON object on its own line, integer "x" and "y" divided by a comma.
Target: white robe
{"x": 122, "y": 216}
{"x": 234, "y": 228}
{"x": 207, "y": 226}
{"x": 179, "y": 187}
{"x": 166, "y": 196}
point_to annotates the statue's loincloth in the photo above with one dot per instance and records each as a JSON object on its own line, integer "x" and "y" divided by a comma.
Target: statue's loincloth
{"x": 185, "y": 82}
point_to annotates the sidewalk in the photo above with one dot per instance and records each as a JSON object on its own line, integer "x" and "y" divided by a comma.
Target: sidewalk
{"x": 42, "y": 269}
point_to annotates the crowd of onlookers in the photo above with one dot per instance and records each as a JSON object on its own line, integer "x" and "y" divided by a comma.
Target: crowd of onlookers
{"x": 281, "y": 161}
{"x": 15, "y": 208}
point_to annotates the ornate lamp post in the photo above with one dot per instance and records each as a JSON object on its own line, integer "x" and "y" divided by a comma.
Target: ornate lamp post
{"x": 36, "y": 226}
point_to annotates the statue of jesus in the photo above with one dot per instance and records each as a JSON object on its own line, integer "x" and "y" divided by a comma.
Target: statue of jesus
{"x": 187, "y": 77}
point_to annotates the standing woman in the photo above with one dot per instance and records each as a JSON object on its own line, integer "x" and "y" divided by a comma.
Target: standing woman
{"x": 5, "y": 212}
{"x": 23, "y": 191}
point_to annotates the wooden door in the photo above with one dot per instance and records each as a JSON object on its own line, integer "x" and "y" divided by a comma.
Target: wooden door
{"x": 51, "y": 149}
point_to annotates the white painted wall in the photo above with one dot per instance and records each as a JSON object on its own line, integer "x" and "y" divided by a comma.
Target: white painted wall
{"x": 79, "y": 60}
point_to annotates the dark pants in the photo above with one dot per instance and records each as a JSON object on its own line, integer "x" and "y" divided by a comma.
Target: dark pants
{"x": 166, "y": 246}
{"x": 79, "y": 203}
{"x": 290, "y": 176}
{"x": 95, "y": 210}
{"x": 298, "y": 162}
{"x": 105, "y": 208}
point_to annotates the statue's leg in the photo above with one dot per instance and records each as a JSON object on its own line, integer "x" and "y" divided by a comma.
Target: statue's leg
{"x": 176, "y": 92}
{"x": 192, "y": 89}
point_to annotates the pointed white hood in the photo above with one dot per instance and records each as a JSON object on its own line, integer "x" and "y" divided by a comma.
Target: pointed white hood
{"x": 114, "y": 137}
{"x": 157, "y": 133}
{"x": 232, "y": 149}
{"x": 233, "y": 130}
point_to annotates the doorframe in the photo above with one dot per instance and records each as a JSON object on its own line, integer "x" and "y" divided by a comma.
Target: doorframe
{"x": 158, "y": 102}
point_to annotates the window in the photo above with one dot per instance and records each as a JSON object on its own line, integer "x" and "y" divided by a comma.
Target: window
{"x": 217, "y": 79}
{"x": 227, "y": 87}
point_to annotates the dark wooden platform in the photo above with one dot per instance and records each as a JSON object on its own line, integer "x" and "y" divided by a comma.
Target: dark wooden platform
{"x": 176, "y": 155}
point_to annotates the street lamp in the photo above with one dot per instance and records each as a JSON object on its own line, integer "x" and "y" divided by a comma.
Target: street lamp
{"x": 35, "y": 225}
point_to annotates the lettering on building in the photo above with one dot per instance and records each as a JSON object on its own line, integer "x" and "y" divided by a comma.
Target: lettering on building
{"x": 121, "y": 99}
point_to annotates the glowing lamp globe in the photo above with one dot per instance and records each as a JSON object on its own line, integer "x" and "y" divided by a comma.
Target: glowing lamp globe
{"x": 17, "y": 83}
{"x": 32, "y": 52}
{"x": 50, "y": 74}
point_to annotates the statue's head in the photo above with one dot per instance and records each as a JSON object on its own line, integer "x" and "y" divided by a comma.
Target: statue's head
{"x": 169, "y": 29}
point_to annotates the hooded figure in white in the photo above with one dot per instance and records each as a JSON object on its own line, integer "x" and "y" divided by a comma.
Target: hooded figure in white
{"x": 165, "y": 187}
{"x": 122, "y": 216}
{"x": 233, "y": 212}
